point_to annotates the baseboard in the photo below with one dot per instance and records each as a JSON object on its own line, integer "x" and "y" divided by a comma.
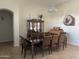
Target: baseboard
{"x": 76, "y": 44}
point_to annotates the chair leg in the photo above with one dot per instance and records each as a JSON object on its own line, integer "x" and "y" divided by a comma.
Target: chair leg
{"x": 49, "y": 49}
{"x": 32, "y": 51}
{"x": 65, "y": 42}
{"x": 35, "y": 50}
{"x": 51, "y": 46}
{"x": 58, "y": 46}
{"x": 21, "y": 49}
{"x": 24, "y": 52}
{"x": 42, "y": 51}
{"x": 63, "y": 45}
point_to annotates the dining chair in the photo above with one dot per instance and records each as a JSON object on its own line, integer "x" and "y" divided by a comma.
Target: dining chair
{"x": 36, "y": 42}
{"x": 63, "y": 40}
{"x": 25, "y": 44}
{"x": 55, "y": 41}
{"x": 46, "y": 43}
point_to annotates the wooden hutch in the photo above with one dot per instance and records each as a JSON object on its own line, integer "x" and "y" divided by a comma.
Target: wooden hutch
{"x": 34, "y": 27}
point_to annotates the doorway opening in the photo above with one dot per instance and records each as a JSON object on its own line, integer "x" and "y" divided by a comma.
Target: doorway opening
{"x": 6, "y": 27}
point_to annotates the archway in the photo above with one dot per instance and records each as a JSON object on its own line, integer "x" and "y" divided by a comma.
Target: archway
{"x": 6, "y": 26}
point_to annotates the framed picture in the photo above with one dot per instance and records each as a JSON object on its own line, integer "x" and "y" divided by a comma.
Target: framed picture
{"x": 69, "y": 20}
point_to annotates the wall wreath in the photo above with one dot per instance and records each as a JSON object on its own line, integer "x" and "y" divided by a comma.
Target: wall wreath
{"x": 69, "y": 20}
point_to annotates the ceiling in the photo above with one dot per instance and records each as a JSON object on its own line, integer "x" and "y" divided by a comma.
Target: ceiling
{"x": 48, "y": 3}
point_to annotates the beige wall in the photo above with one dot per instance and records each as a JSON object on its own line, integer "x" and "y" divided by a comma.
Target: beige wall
{"x": 24, "y": 8}
{"x": 21, "y": 10}
{"x": 72, "y": 8}
{"x": 53, "y": 18}
{"x": 12, "y": 5}
{"x": 32, "y": 10}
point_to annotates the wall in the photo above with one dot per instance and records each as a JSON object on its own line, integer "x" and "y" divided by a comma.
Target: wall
{"x": 12, "y": 5}
{"x": 71, "y": 7}
{"x": 22, "y": 9}
{"x": 32, "y": 10}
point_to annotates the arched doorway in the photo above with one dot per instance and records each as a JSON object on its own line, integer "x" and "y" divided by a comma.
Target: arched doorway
{"x": 6, "y": 26}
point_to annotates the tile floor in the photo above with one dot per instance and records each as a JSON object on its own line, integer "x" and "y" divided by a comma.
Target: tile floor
{"x": 9, "y": 52}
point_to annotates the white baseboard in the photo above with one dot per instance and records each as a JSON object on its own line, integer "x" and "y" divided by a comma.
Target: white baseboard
{"x": 76, "y": 44}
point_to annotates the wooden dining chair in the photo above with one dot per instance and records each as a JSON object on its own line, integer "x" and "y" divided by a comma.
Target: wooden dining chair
{"x": 25, "y": 44}
{"x": 46, "y": 43}
{"x": 55, "y": 41}
{"x": 63, "y": 40}
{"x": 36, "y": 43}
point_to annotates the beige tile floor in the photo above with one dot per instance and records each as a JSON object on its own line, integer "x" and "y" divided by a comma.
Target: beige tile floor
{"x": 9, "y": 52}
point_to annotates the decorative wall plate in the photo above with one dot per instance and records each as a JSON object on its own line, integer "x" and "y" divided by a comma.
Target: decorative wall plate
{"x": 69, "y": 20}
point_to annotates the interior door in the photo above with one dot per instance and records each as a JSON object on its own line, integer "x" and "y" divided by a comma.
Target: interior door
{"x": 6, "y": 27}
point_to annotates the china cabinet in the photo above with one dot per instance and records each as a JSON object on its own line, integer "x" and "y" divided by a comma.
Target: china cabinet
{"x": 34, "y": 27}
